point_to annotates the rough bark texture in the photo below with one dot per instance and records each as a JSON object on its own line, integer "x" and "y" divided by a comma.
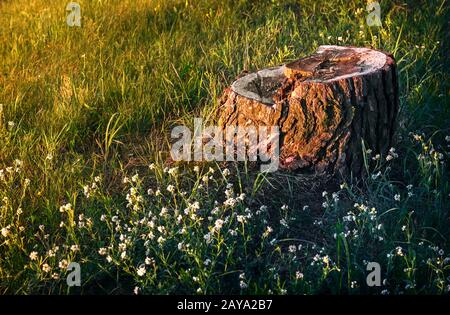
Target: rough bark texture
{"x": 324, "y": 105}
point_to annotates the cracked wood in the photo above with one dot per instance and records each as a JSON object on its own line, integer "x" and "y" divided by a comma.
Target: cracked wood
{"x": 325, "y": 105}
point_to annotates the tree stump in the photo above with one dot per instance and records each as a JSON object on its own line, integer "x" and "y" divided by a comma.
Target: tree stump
{"x": 325, "y": 105}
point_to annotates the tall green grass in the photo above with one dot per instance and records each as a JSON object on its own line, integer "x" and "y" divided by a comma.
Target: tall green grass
{"x": 100, "y": 100}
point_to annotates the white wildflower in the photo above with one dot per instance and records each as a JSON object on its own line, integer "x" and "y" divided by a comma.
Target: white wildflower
{"x": 173, "y": 171}
{"x": 218, "y": 224}
{"x": 171, "y": 188}
{"x": 34, "y": 255}
{"x": 63, "y": 264}
{"x": 5, "y": 231}
{"x": 141, "y": 271}
{"x": 135, "y": 178}
{"x": 46, "y": 268}
{"x": 298, "y": 275}
{"x": 241, "y": 219}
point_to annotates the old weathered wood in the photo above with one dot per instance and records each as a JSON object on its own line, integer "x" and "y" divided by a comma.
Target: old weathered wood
{"x": 324, "y": 105}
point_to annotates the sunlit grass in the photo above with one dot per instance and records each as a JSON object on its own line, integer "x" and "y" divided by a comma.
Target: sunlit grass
{"x": 85, "y": 111}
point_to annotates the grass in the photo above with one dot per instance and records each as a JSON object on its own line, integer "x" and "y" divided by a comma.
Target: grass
{"x": 85, "y": 112}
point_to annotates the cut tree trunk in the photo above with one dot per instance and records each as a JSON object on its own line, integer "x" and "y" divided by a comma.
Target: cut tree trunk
{"x": 325, "y": 105}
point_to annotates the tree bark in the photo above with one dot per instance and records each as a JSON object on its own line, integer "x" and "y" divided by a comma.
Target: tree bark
{"x": 325, "y": 106}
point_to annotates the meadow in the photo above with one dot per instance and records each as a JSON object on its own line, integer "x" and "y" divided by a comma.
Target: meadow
{"x": 86, "y": 177}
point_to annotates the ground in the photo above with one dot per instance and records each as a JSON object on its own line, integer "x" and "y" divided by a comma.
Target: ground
{"x": 85, "y": 174}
